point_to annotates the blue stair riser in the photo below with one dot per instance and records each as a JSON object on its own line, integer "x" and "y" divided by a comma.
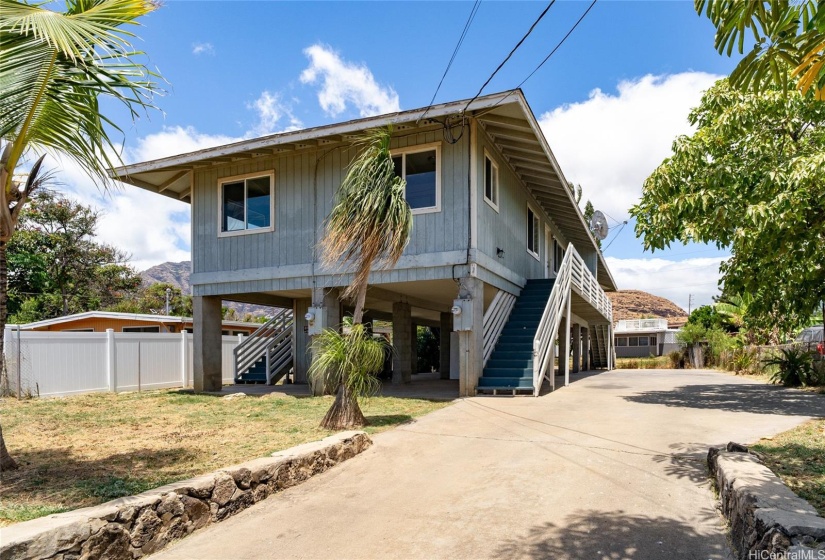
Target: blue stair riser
{"x": 496, "y": 363}
{"x": 509, "y": 371}
{"x": 505, "y": 354}
{"x": 510, "y": 382}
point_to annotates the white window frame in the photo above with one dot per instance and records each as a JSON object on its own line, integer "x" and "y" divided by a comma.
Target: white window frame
{"x": 496, "y": 191}
{"x": 536, "y": 235}
{"x": 414, "y": 150}
{"x": 234, "y": 179}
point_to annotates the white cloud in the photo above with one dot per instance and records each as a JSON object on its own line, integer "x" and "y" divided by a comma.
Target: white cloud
{"x": 674, "y": 280}
{"x": 202, "y": 48}
{"x": 174, "y": 140}
{"x": 271, "y": 109}
{"x": 345, "y": 83}
{"x": 611, "y": 143}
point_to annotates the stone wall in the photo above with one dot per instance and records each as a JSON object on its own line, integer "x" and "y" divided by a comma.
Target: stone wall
{"x": 766, "y": 518}
{"x": 131, "y": 527}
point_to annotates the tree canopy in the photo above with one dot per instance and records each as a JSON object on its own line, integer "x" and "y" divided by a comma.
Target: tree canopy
{"x": 152, "y": 299}
{"x": 56, "y": 266}
{"x": 789, "y": 42}
{"x": 751, "y": 179}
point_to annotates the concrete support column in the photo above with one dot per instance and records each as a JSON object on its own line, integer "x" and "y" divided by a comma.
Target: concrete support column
{"x": 564, "y": 346}
{"x": 401, "y": 339}
{"x": 300, "y": 340}
{"x": 444, "y": 345}
{"x": 414, "y": 348}
{"x": 207, "y": 338}
{"x": 577, "y": 347}
{"x": 471, "y": 342}
{"x": 586, "y": 348}
{"x": 326, "y": 300}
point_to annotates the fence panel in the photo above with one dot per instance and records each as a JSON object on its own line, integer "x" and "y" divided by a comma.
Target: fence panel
{"x": 53, "y": 364}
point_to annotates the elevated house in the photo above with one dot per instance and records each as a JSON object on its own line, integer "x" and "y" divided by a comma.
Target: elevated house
{"x": 500, "y": 254}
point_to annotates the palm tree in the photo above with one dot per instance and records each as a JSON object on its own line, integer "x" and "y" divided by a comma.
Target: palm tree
{"x": 789, "y": 42}
{"x": 55, "y": 68}
{"x": 368, "y": 227}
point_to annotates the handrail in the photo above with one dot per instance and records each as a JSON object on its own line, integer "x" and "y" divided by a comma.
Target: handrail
{"x": 263, "y": 341}
{"x": 495, "y": 318}
{"x": 572, "y": 275}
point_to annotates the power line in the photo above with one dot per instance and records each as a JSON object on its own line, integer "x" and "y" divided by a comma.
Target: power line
{"x": 558, "y": 45}
{"x": 452, "y": 58}
{"x": 614, "y": 237}
{"x": 514, "y": 49}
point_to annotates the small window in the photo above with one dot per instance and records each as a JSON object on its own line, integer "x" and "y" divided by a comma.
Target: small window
{"x": 78, "y": 330}
{"x": 558, "y": 255}
{"x": 420, "y": 170}
{"x": 141, "y": 329}
{"x": 246, "y": 203}
{"x": 621, "y": 341}
{"x": 633, "y": 341}
{"x": 225, "y": 333}
{"x": 642, "y": 341}
{"x": 653, "y": 341}
{"x": 532, "y": 232}
{"x": 490, "y": 182}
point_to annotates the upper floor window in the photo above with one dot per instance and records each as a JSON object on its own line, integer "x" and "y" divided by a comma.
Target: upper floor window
{"x": 419, "y": 166}
{"x": 490, "y": 181}
{"x": 532, "y": 232}
{"x": 246, "y": 203}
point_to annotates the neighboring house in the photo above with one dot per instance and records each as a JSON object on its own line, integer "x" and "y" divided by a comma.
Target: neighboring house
{"x": 100, "y": 321}
{"x": 641, "y": 338}
{"x": 494, "y": 220}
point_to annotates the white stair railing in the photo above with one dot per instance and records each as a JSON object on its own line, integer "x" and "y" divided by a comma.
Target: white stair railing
{"x": 495, "y": 318}
{"x": 272, "y": 340}
{"x": 572, "y": 275}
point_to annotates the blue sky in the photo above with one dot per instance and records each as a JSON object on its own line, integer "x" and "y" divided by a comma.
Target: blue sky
{"x": 611, "y": 100}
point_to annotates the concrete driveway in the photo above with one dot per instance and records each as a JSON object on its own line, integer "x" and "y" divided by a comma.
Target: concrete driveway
{"x": 610, "y": 467}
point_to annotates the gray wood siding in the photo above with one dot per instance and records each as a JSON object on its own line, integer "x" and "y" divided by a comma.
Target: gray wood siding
{"x": 300, "y": 212}
{"x": 507, "y": 228}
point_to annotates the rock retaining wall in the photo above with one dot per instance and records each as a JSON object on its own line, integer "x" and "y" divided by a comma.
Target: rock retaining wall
{"x": 767, "y": 520}
{"x": 131, "y": 527}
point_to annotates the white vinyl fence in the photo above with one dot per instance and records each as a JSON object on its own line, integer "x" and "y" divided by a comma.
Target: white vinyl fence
{"x": 51, "y": 364}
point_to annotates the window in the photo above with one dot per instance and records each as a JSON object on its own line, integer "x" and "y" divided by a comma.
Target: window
{"x": 653, "y": 341}
{"x": 490, "y": 182}
{"x": 558, "y": 255}
{"x": 78, "y": 330}
{"x": 246, "y": 203}
{"x": 419, "y": 167}
{"x": 141, "y": 329}
{"x": 633, "y": 341}
{"x": 643, "y": 341}
{"x": 621, "y": 341}
{"x": 532, "y": 232}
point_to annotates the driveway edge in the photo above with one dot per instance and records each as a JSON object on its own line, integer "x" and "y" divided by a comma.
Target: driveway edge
{"x": 767, "y": 520}
{"x": 131, "y": 527}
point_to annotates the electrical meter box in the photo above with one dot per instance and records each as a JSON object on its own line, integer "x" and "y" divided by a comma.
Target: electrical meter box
{"x": 462, "y": 315}
{"x": 316, "y": 324}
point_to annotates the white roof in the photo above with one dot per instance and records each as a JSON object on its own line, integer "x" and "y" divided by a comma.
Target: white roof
{"x": 147, "y": 317}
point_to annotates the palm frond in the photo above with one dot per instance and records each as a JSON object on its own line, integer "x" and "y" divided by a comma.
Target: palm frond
{"x": 352, "y": 359}
{"x": 371, "y": 222}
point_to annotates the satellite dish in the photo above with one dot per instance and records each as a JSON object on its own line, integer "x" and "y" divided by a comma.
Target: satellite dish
{"x": 598, "y": 225}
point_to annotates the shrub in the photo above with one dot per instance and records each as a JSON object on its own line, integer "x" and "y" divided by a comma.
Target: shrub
{"x": 795, "y": 367}
{"x": 677, "y": 359}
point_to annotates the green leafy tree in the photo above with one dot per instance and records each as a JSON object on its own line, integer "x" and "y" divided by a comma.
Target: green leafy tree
{"x": 151, "y": 299}
{"x": 56, "y": 69}
{"x": 751, "y": 179}
{"x": 789, "y": 42}
{"x": 369, "y": 226}
{"x": 588, "y": 214}
{"x": 56, "y": 267}
{"x": 705, "y": 316}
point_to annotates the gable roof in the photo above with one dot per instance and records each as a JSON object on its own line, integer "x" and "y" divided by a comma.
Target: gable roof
{"x": 505, "y": 117}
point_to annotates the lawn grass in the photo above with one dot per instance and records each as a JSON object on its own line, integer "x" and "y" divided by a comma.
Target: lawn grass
{"x": 84, "y": 450}
{"x": 798, "y": 458}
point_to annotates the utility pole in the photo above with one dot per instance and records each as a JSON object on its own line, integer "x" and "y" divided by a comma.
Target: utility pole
{"x": 168, "y": 296}
{"x": 690, "y": 302}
